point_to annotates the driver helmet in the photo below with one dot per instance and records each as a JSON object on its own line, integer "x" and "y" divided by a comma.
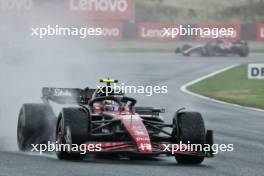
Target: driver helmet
{"x": 110, "y": 105}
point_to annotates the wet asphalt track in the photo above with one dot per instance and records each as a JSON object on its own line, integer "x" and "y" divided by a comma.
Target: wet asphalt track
{"x": 243, "y": 128}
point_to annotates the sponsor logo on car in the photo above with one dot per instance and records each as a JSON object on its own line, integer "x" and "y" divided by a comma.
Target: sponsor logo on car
{"x": 61, "y": 92}
{"x": 145, "y": 147}
{"x": 142, "y": 139}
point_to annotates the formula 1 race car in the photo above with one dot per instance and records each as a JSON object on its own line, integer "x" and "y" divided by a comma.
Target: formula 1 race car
{"x": 111, "y": 122}
{"x": 217, "y": 48}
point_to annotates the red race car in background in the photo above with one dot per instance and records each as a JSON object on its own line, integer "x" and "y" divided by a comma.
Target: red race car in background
{"x": 113, "y": 124}
{"x": 219, "y": 47}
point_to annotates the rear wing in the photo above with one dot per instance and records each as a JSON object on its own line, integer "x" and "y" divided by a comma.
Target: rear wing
{"x": 67, "y": 95}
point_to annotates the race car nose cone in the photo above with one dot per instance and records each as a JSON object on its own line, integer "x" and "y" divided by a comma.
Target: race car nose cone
{"x": 138, "y": 132}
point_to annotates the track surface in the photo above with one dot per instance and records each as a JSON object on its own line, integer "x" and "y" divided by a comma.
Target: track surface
{"x": 243, "y": 128}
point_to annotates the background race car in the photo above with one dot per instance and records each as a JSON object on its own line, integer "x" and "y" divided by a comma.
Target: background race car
{"x": 217, "y": 48}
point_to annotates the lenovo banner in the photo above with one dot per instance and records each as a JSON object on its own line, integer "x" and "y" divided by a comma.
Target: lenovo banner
{"x": 260, "y": 32}
{"x": 148, "y": 31}
{"x": 16, "y": 5}
{"x": 113, "y": 30}
{"x": 102, "y": 9}
{"x": 214, "y": 31}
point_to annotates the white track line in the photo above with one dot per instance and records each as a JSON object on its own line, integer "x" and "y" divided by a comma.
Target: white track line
{"x": 184, "y": 89}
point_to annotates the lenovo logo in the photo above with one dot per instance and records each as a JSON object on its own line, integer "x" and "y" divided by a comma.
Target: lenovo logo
{"x": 99, "y": 5}
{"x": 16, "y": 4}
{"x": 101, "y": 9}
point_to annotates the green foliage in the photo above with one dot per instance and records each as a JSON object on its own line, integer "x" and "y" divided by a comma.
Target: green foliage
{"x": 233, "y": 86}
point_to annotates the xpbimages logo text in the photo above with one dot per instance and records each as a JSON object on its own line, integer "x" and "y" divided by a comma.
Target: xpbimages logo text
{"x": 189, "y": 30}
{"x": 148, "y": 90}
{"x": 57, "y": 147}
{"x": 98, "y": 147}
{"x": 58, "y": 31}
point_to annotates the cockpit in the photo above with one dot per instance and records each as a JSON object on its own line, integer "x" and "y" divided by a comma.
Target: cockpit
{"x": 107, "y": 99}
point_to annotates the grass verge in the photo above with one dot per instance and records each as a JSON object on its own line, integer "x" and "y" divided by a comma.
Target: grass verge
{"x": 232, "y": 86}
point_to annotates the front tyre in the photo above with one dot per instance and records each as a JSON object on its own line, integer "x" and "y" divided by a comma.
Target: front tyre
{"x": 72, "y": 129}
{"x": 190, "y": 126}
{"x": 35, "y": 125}
{"x": 186, "y": 47}
{"x": 243, "y": 51}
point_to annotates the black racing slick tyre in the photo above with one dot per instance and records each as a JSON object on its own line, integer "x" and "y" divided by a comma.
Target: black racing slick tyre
{"x": 191, "y": 129}
{"x": 34, "y": 125}
{"x": 185, "y": 47}
{"x": 243, "y": 51}
{"x": 72, "y": 129}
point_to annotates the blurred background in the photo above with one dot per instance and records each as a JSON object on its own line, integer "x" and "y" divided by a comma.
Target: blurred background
{"x": 134, "y": 24}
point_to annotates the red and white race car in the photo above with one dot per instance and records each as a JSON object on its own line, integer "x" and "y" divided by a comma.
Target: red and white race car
{"x": 216, "y": 48}
{"x": 111, "y": 125}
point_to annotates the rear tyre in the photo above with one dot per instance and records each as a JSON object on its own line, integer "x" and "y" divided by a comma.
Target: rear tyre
{"x": 35, "y": 125}
{"x": 185, "y": 47}
{"x": 190, "y": 127}
{"x": 243, "y": 51}
{"x": 72, "y": 128}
